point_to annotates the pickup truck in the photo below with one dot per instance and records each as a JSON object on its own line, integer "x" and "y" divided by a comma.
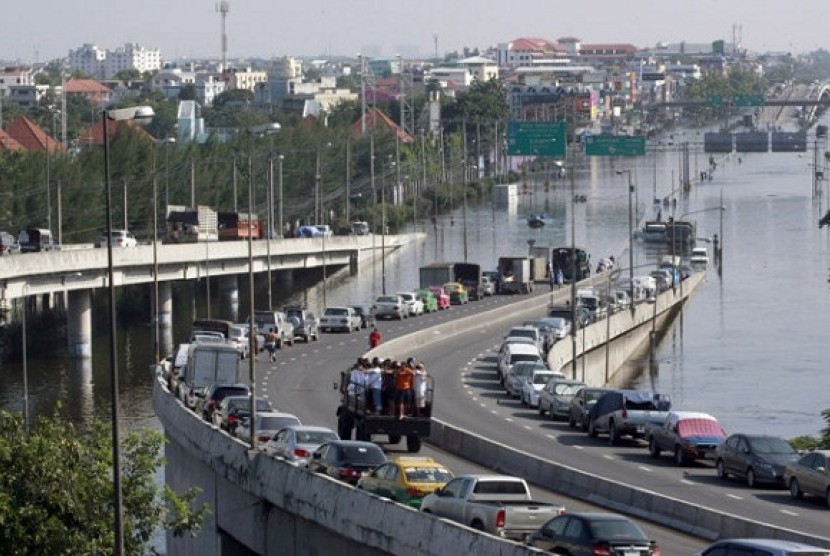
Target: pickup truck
{"x": 687, "y": 435}
{"x": 626, "y": 413}
{"x": 497, "y": 504}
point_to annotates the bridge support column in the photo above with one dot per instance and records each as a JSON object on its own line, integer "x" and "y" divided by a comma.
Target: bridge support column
{"x": 229, "y": 294}
{"x": 165, "y": 311}
{"x": 79, "y": 323}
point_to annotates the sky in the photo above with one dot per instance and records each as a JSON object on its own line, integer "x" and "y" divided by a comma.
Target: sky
{"x": 42, "y": 30}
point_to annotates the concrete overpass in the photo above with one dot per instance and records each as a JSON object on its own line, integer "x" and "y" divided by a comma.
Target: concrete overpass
{"x": 70, "y": 276}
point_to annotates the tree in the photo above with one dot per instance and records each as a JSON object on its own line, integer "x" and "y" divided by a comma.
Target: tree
{"x": 128, "y": 74}
{"x": 56, "y": 490}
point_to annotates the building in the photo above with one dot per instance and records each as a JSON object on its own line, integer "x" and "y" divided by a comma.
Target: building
{"x": 31, "y": 137}
{"x": 105, "y": 63}
{"x": 191, "y": 124}
{"x": 244, "y": 79}
{"x": 9, "y": 143}
{"x": 15, "y": 76}
{"x": 95, "y": 92}
{"x": 528, "y": 52}
{"x": 607, "y": 52}
{"x": 481, "y": 68}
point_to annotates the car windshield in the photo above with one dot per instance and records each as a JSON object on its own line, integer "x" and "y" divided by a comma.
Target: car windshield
{"x": 522, "y": 333}
{"x": 337, "y": 312}
{"x": 616, "y": 529}
{"x": 541, "y": 378}
{"x": 294, "y": 313}
{"x": 524, "y": 357}
{"x": 771, "y": 445}
{"x": 315, "y": 437}
{"x": 452, "y": 288}
{"x": 566, "y": 389}
{"x": 427, "y": 475}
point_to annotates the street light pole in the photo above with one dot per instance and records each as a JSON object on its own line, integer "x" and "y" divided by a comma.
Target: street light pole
{"x": 630, "y": 235}
{"x": 135, "y": 113}
{"x": 280, "y": 222}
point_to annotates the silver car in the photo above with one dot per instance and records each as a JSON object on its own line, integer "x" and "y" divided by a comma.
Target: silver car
{"x": 770, "y": 547}
{"x": 296, "y": 443}
{"x": 555, "y": 398}
{"x": 391, "y": 306}
{"x": 518, "y": 375}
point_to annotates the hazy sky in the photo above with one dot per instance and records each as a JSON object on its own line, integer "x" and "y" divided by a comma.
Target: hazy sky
{"x": 48, "y": 29}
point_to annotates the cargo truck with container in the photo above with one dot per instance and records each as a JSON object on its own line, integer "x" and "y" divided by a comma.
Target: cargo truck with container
{"x": 189, "y": 225}
{"x": 539, "y": 263}
{"x": 515, "y": 275}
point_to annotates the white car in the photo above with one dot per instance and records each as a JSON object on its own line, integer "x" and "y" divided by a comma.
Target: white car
{"x": 239, "y": 338}
{"x": 488, "y": 287}
{"x": 267, "y": 424}
{"x": 699, "y": 256}
{"x": 120, "y": 238}
{"x": 414, "y": 305}
{"x": 534, "y": 384}
{"x": 344, "y": 319}
{"x": 297, "y": 442}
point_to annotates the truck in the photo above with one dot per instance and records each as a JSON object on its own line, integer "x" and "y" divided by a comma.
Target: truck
{"x": 515, "y": 275}
{"x": 189, "y": 225}
{"x": 356, "y": 413}
{"x": 34, "y": 240}
{"x": 539, "y": 263}
{"x": 207, "y": 363}
{"x": 575, "y": 262}
{"x": 685, "y": 434}
{"x": 497, "y": 504}
{"x": 627, "y": 413}
{"x": 438, "y": 274}
{"x": 238, "y": 225}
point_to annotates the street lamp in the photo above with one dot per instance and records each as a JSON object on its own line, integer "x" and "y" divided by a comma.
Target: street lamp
{"x": 630, "y": 234}
{"x": 139, "y": 114}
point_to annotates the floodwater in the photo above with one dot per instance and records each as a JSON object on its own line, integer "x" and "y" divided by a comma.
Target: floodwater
{"x": 748, "y": 347}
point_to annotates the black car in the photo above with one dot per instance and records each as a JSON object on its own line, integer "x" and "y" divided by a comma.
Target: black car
{"x": 587, "y": 534}
{"x": 756, "y": 458}
{"x": 346, "y": 460}
{"x": 233, "y": 410}
{"x": 215, "y": 393}
{"x": 581, "y": 404}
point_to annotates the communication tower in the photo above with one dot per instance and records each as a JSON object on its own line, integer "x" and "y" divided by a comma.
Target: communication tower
{"x": 223, "y": 8}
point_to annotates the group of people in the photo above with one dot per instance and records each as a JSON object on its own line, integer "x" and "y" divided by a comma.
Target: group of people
{"x": 555, "y": 276}
{"x": 387, "y": 387}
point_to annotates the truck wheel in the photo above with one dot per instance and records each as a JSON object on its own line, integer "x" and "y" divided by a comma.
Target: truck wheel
{"x": 679, "y": 458}
{"x": 413, "y": 443}
{"x": 592, "y": 431}
{"x": 394, "y": 438}
{"x": 613, "y": 436}
{"x": 477, "y": 525}
{"x": 653, "y": 449}
{"x": 344, "y": 427}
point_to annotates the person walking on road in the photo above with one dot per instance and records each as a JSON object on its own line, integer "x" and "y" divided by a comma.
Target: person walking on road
{"x": 374, "y": 337}
{"x": 271, "y": 344}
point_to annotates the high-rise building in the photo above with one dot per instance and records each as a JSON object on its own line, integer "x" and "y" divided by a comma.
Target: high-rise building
{"x": 105, "y": 63}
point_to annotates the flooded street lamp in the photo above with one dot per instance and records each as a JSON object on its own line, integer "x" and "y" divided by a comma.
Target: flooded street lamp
{"x": 630, "y": 235}
{"x": 138, "y": 114}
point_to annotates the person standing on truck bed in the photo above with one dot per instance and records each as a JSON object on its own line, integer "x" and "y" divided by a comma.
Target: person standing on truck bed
{"x": 404, "y": 378}
{"x": 388, "y": 387}
{"x": 374, "y": 381}
{"x": 419, "y": 385}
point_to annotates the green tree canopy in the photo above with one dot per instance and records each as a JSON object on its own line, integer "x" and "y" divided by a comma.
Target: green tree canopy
{"x": 56, "y": 490}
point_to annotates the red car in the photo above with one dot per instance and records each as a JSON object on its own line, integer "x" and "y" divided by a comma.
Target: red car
{"x": 442, "y": 297}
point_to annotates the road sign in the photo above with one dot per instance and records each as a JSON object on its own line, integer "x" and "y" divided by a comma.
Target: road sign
{"x": 615, "y": 145}
{"x": 714, "y": 101}
{"x": 748, "y": 100}
{"x": 536, "y": 138}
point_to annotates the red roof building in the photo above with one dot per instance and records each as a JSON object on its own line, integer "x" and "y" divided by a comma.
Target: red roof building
{"x": 377, "y": 119}
{"x": 97, "y": 93}
{"x": 32, "y": 137}
{"x": 9, "y": 143}
{"x": 94, "y": 135}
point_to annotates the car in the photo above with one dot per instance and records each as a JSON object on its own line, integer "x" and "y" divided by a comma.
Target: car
{"x": 560, "y": 326}
{"x": 513, "y": 351}
{"x": 346, "y": 460}
{"x": 267, "y": 319}
{"x": 518, "y": 374}
{"x": 494, "y": 277}
{"x": 343, "y": 319}
{"x": 534, "y": 384}
{"x": 457, "y": 292}
{"x": 620, "y": 300}
{"x": 304, "y": 321}
{"x": 555, "y": 398}
{"x": 267, "y": 424}
{"x": 120, "y": 238}
{"x": 390, "y": 306}
{"x": 581, "y": 404}
{"x": 688, "y": 435}
{"x": 488, "y": 286}
{"x": 756, "y": 458}
{"x": 761, "y": 547}
{"x": 215, "y": 393}
{"x": 406, "y": 479}
{"x": 442, "y": 296}
{"x": 238, "y": 337}
{"x": 699, "y": 256}
{"x": 810, "y": 474}
{"x": 232, "y": 410}
{"x": 324, "y": 230}
{"x": 586, "y": 534}
{"x": 414, "y": 305}
{"x": 528, "y": 331}
{"x": 428, "y": 299}
{"x": 297, "y": 442}
{"x": 367, "y": 316}
{"x": 547, "y": 332}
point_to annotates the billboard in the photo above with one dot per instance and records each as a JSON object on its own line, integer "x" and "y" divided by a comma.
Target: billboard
{"x": 786, "y": 142}
{"x": 717, "y": 142}
{"x": 752, "y": 142}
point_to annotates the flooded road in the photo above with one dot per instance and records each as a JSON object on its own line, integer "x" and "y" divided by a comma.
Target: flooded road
{"x": 748, "y": 347}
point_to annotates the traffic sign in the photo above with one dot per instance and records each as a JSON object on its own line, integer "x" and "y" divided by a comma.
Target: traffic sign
{"x": 748, "y": 100}
{"x": 714, "y": 101}
{"x": 536, "y": 138}
{"x": 615, "y": 145}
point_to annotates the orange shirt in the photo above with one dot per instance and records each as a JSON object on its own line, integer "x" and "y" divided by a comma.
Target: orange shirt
{"x": 403, "y": 379}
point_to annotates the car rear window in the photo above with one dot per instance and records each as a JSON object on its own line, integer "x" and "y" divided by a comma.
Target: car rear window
{"x": 617, "y": 529}
{"x": 362, "y": 454}
{"x": 524, "y": 357}
{"x": 223, "y": 393}
{"x": 427, "y": 475}
{"x": 271, "y": 423}
{"x": 500, "y": 487}
{"x": 315, "y": 437}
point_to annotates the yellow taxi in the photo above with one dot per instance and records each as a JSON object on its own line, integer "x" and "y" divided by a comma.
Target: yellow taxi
{"x": 406, "y": 479}
{"x": 457, "y": 292}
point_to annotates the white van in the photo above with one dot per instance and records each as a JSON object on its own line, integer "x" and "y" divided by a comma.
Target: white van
{"x": 513, "y": 352}
{"x": 207, "y": 363}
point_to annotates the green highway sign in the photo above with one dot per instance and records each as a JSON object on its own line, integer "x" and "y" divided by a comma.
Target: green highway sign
{"x": 536, "y": 138}
{"x": 748, "y": 100}
{"x": 714, "y": 101}
{"x": 615, "y": 145}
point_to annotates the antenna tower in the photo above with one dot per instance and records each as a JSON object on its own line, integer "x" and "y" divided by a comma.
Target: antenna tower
{"x": 223, "y": 8}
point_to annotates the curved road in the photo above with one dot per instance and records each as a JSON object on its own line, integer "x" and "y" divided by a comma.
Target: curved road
{"x": 469, "y": 396}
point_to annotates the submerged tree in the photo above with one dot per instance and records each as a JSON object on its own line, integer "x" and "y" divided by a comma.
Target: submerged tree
{"x": 56, "y": 490}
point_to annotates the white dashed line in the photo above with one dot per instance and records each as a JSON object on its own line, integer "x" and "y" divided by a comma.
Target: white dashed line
{"x": 686, "y": 482}
{"x": 607, "y": 456}
{"x": 788, "y": 512}
{"x": 644, "y": 468}
{"x": 528, "y": 427}
{"x": 578, "y": 447}
{"x": 483, "y": 404}
{"x": 494, "y": 412}
{"x": 508, "y": 419}
{"x": 734, "y": 496}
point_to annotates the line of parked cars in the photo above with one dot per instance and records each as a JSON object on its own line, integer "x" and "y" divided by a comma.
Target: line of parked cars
{"x": 402, "y": 305}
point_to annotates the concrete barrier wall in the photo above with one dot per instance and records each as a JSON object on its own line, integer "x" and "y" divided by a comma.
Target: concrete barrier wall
{"x": 269, "y": 506}
{"x": 672, "y": 512}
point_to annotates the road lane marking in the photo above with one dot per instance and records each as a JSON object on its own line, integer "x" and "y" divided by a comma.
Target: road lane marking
{"x": 644, "y": 468}
{"x": 508, "y": 419}
{"x": 551, "y": 436}
{"x": 686, "y": 482}
{"x": 734, "y": 496}
{"x": 494, "y": 412}
{"x": 482, "y": 404}
{"x": 788, "y": 512}
{"x": 607, "y": 456}
{"x": 528, "y": 427}
{"x": 578, "y": 447}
